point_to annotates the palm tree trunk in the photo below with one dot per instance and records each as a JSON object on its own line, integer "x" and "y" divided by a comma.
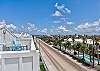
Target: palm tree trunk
{"x": 60, "y": 47}
{"x": 98, "y": 59}
{"x": 93, "y": 50}
{"x": 74, "y": 51}
{"x": 78, "y": 53}
{"x": 83, "y": 54}
{"x": 90, "y": 58}
{"x": 93, "y": 57}
{"x": 65, "y": 48}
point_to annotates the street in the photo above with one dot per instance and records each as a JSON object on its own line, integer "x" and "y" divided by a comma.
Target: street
{"x": 54, "y": 60}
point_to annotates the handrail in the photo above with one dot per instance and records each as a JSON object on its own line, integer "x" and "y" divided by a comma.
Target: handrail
{"x": 44, "y": 63}
{"x": 42, "y": 58}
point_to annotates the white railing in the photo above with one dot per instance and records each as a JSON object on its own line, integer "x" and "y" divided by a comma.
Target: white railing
{"x": 25, "y": 60}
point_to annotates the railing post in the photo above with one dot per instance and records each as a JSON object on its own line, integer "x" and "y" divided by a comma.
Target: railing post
{"x": 3, "y": 65}
{"x": 20, "y": 64}
{"x": 36, "y": 61}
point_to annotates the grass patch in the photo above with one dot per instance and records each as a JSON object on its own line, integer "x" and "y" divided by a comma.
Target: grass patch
{"x": 42, "y": 68}
{"x": 98, "y": 64}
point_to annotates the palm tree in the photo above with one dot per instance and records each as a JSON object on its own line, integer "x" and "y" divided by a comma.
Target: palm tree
{"x": 97, "y": 46}
{"x": 74, "y": 48}
{"x": 82, "y": 48}
{"x": 68, "y": 45}
{"x": 65, "y": 45}
{"x": 97, "y": 56}
{"x": 78, "y": 47}
{"x": 55, "y": 43}
{"x": 84, "y": 42}
{"x": 84, "y": 39}
{"x": 93, "y": 38}
{"x": 90, "y": 51}
{"x": 59, "y": 42}
{"x": 73, "y": 40}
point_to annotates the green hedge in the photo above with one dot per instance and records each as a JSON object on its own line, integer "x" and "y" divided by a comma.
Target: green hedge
{"x": 42, "y": 68}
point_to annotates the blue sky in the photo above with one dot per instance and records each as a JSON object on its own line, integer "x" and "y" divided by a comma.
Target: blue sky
{"x": 52, "y": 16}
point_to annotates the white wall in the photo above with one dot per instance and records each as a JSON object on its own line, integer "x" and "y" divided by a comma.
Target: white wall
{"x": 19, "y": 61}
{"x": 25, "y": 41}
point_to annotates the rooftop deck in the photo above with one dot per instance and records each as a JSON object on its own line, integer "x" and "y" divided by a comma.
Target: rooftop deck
{"x": 17, "y": 53}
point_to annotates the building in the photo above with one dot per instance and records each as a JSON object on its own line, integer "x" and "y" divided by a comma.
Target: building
{"x": 17, "y": 53}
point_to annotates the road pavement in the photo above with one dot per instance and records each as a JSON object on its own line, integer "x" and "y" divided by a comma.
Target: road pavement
{"x": 56, "y": 61}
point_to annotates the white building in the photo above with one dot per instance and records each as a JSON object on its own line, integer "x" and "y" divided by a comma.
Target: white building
{"x": 17, "y": 53}
{"x": 89, "y": 41}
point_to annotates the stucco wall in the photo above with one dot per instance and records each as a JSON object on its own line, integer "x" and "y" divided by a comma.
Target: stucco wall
{"x": 19, "y": 61}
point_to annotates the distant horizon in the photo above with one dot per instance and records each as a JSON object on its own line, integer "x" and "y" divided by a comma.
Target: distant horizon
{"x": 66, "y": 35}
{"x": 53, "y": 17}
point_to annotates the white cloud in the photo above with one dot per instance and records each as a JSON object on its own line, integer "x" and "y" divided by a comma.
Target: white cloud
{"x": 57, "y": 21}
{"x": 61, "y": 7}
{"x": 89, "y": 27}
{"x": 44, "y": 30}
{"x": 3, "y": 22}
{"x": 57, "y": 13}
{"x": 69, "y": 11}
{"x": 38, "y": 30}
{"x": 61, "y": 14}
{"x": 69, "y": 22}
{"x": 30, "y": 27}
{"x": 62, "y": 28}
{"x": 56, "y": 4}
{"x": 1, "y": 26}
{"x": 61, "y": 10}
{"x": 30, "y": 24}
{"x": 25, "y": 28}
{"x": 11, "y": 26}
{"x": 22, "y": 26}
{"x": 64, "y": 19}
{"x": 26, "y": 35}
